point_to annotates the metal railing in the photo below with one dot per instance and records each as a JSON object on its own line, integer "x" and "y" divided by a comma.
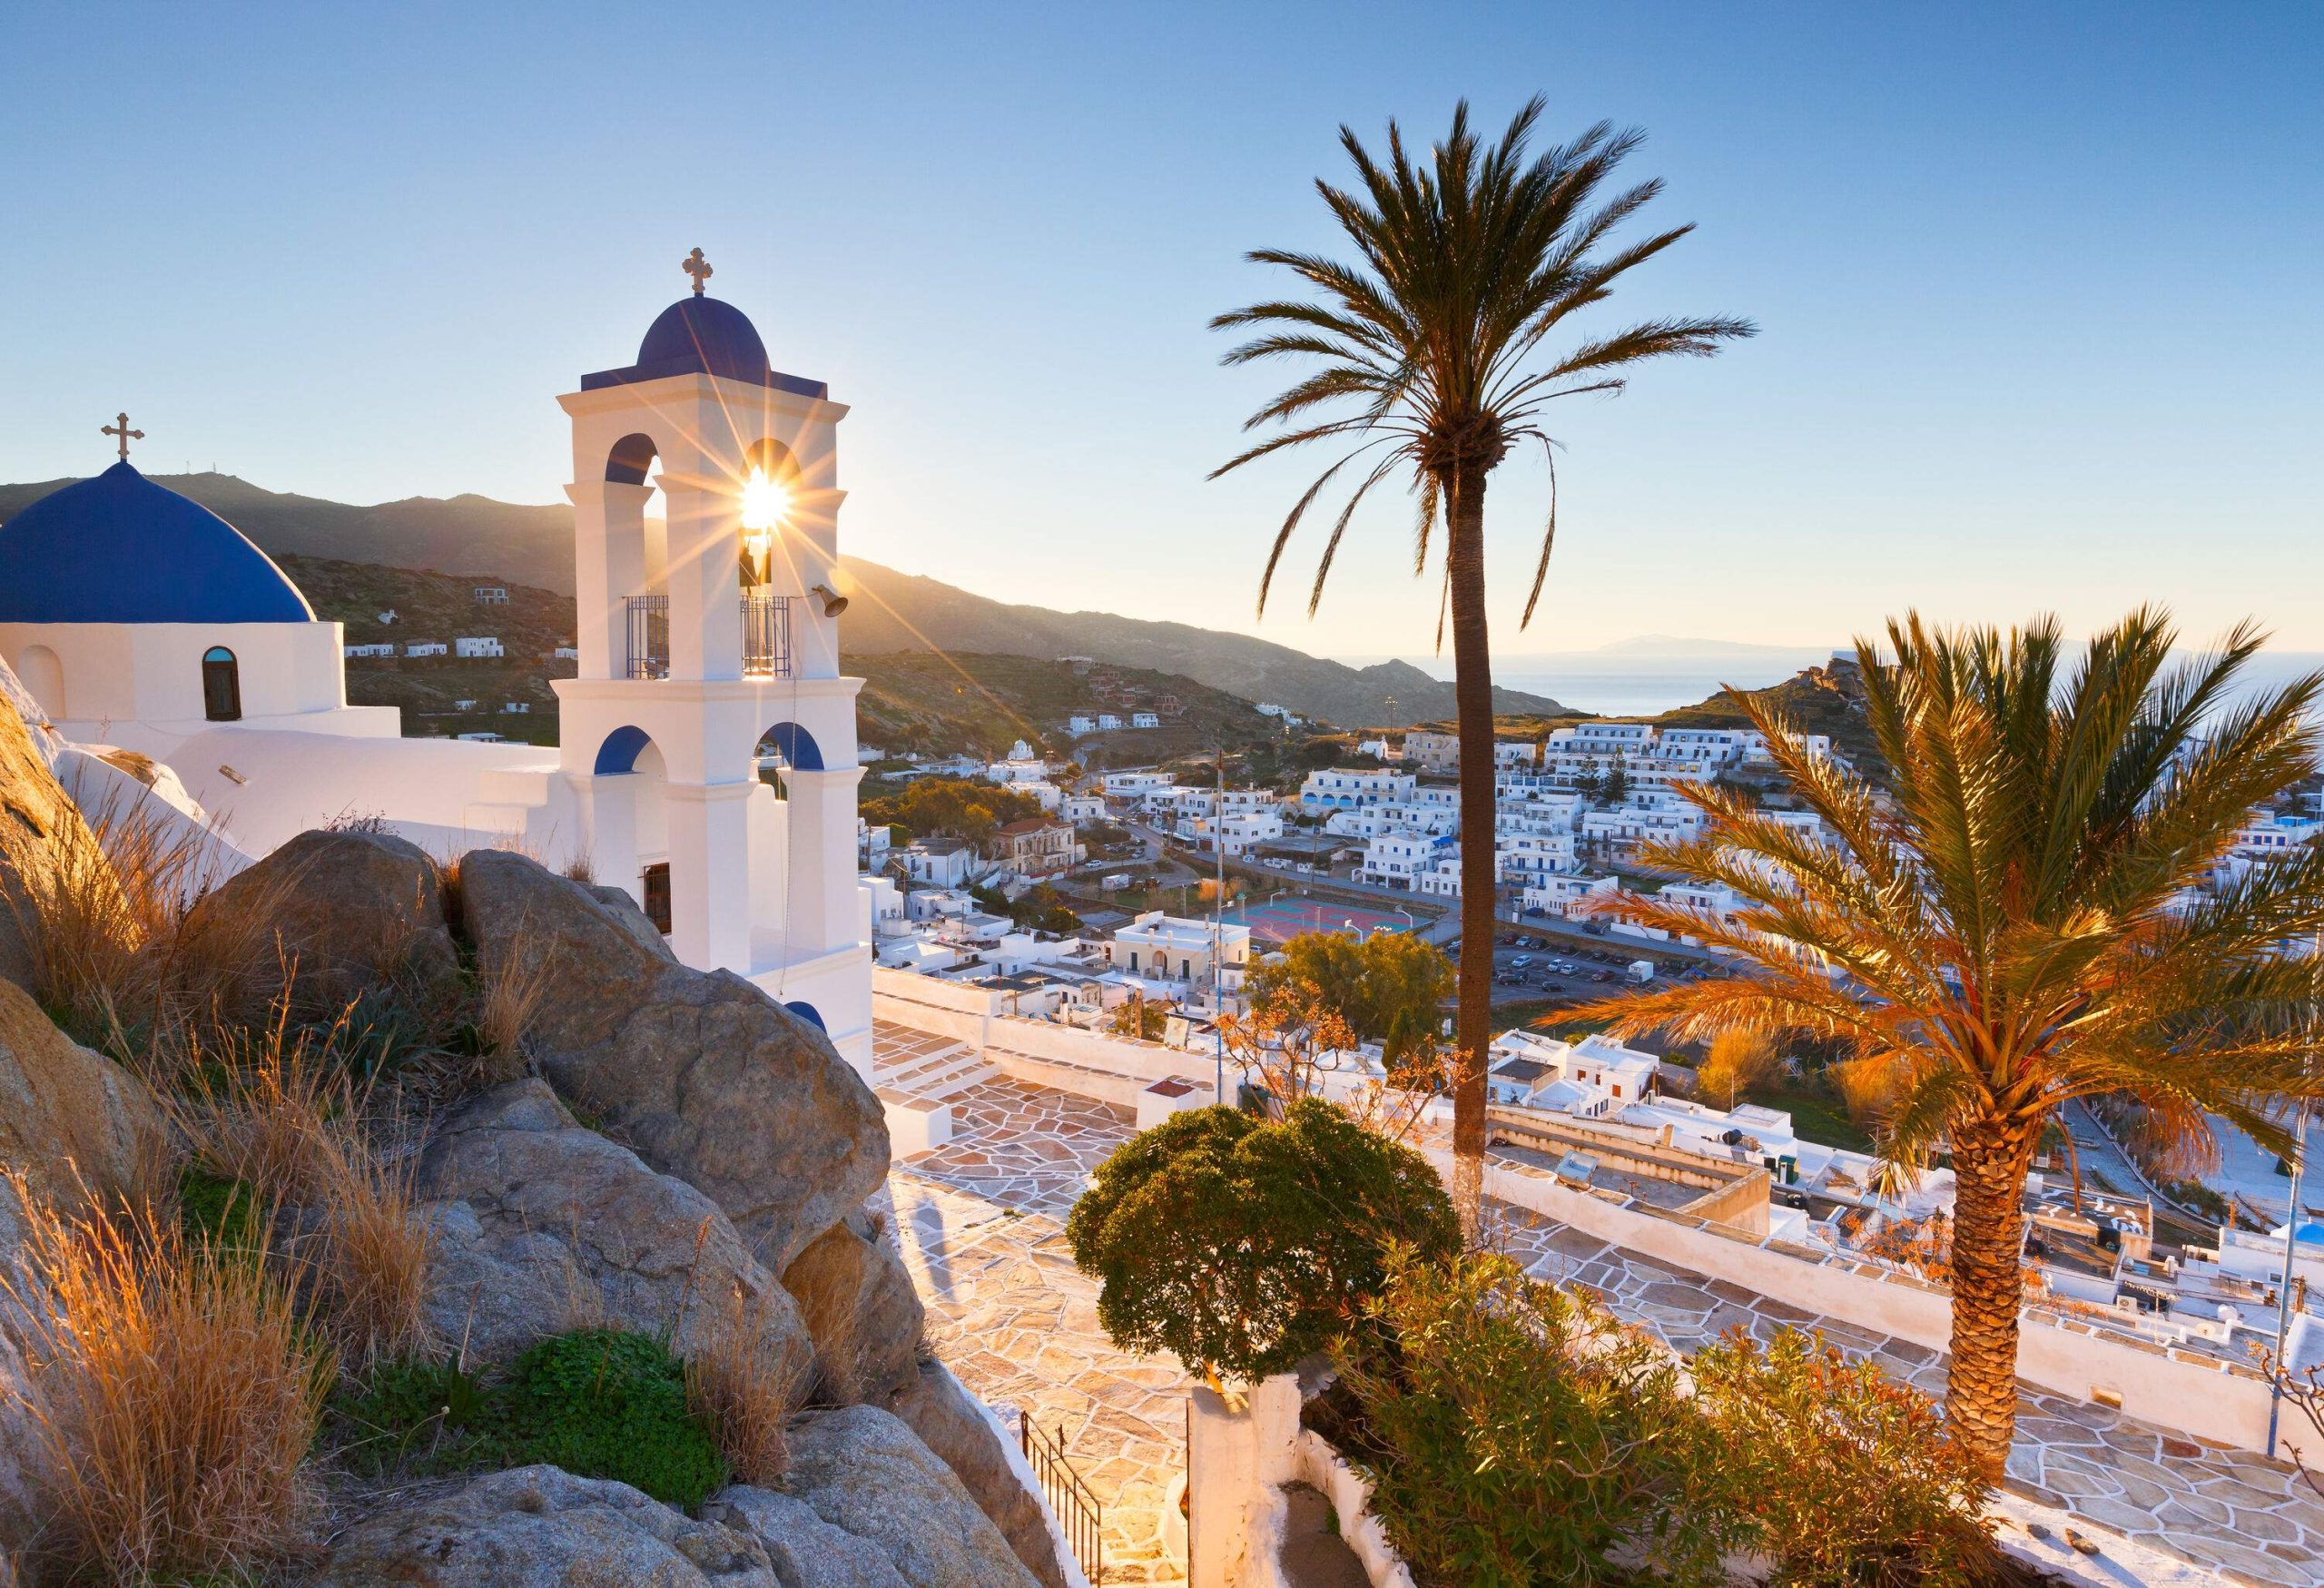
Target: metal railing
{"x": 766, "y": 637}
{"x": 1079, "y": 1514}
{"x": 649, "y": 637}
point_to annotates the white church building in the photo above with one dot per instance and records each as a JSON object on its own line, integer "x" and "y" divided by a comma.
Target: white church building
{"x": 708, "y": 639}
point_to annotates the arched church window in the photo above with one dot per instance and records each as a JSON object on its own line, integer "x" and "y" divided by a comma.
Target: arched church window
{"x": 221, "y": 685}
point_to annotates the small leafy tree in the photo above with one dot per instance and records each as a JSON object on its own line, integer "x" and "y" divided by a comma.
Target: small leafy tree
{"x": 1389, "y": 988}
{"x": 1738, "y": 1061}
{"x": 1516, "y": 1434}
{"x": 1244, "y": 1244}
{"x": 1617, "y": 785}
{"x": 1286, "y": 1045}
{"x": 1849, "y": 1480}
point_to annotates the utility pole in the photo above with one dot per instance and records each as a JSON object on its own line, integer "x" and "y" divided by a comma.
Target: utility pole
{"x": 1218, "y": 938}
{"x": 2291, "y": 1224}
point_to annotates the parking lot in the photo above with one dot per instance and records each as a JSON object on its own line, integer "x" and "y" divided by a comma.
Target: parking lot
{"x": 1526, "y": 968}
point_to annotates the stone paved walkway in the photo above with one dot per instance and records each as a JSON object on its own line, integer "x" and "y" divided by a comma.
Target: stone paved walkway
{"x": 982, "y": 1220}
{"x": 982, "y": 1226}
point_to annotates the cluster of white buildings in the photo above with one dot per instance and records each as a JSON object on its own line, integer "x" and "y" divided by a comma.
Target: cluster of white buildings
{"x": 473, "y": 647}
{"x": 1082, "y": 979}
{"x": 1569, "y": 809}
{"x": 1238, "y": 820}
{"x": 1081, "y": 725}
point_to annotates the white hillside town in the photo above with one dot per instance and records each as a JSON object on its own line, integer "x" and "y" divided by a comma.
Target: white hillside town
{"x": 1033, "y": 994}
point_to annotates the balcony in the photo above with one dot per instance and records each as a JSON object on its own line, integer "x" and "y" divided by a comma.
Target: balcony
{"x": 766, "y": 637}
{"x": 649, "y": 637}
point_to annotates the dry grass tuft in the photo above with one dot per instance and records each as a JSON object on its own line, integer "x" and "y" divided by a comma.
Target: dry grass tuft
{"x": 514, "y": 985}
{"x": 370, "y": 1272}
{"x": 276, "y": 1110}
{"x": 736, "y": 1386}
{"x": 103, "y": 909}
{"x": 175, "y": 1397}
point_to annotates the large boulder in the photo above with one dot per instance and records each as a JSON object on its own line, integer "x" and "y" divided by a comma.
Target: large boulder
{"x": 542, "y": 1527}
{"x": 541, "y": 1226}
{"x": 957, "y": 1430}
{"x": 860, "y": 1305}
{"x": 347, "y": 911}
{"x": 704, "y": 1075}
{"x": 862, "y": 1472}
{"x": 20, "y": 1433}
{"x": 70, "y": 1120}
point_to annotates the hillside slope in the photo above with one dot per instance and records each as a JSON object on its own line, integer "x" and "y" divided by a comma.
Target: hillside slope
{"x": 893, "y": 611}
{"x": 896, "y": 611}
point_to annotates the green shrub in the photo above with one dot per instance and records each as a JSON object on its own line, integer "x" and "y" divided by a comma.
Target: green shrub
{"x": 221, "y": 1212}
{"x": 1244, "y": 1244}
{"x": 1516, "y": 1434}
{"x": 604, "y": 1404}
{"x": 411, "y": 1414}
{"x": 1849, "y": 1480}
{"x": 599, "y": 1403}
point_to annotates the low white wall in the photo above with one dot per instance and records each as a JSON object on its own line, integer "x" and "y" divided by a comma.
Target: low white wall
{"x": 1241, "y": 1451}
{"x": 2185, "y": 1391}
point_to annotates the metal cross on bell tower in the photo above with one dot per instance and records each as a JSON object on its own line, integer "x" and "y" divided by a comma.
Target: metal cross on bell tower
{"x": 120, "y": 428}
{"x": 694, "y": 265}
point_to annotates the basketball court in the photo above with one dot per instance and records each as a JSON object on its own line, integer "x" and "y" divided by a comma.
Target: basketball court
{"x": 1279, "y": 921}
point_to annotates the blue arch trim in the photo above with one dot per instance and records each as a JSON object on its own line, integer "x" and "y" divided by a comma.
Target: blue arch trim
{"x": 808, "y": 1013}
{"x": 632, "y": 456}
{"x": 618, "y": 754}
{"x": 796, "y": 745}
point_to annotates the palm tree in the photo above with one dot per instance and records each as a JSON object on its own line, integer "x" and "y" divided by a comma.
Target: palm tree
{"x": 2019, "y": 919}
{"x": 1432, "y": 354}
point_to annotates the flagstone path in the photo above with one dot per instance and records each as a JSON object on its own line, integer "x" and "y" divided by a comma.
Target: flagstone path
{"x": 981, "y": 1224}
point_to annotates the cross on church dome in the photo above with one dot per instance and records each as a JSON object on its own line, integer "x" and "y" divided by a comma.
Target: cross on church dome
{"x": 121, "y": 425}
{"x": 694, "y": 265}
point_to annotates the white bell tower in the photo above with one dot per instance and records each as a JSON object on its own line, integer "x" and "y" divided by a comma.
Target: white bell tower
{"x": 709, "y": 639}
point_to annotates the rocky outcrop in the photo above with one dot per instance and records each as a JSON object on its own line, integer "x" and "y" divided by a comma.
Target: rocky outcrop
{"x": 541, "y": 1527}
{"x": 37, "y": 818}
{"x": 702, "y": 1074}
{"x": 70, "y": 1120}
{"x": 345, "y": 913}
{"x": 956, "y": 1431}
{"x": 20, "y": 1436}
{"x": 859, "y": 1304}
{"x": 632, "y": 920}
{"x": 806, "y": 1551}
{"x": 542, "y": 1226}
{"x": 862, "y": 1472}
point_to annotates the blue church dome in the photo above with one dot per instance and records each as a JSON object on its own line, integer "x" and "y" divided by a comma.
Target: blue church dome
{"x": 704, "y": 336}
{"x": 708, "y": 334}
{"x": 119, "y": 548}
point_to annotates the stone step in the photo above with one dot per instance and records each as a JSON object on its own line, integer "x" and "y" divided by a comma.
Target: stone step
{"x": 942, "y": 1074}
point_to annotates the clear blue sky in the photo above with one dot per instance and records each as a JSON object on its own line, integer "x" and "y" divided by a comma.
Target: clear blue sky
{"x": 2038, "y": 286}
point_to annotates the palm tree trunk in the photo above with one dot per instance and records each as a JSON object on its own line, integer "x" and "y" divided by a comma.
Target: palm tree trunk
{"x": 1990, "y": 1158}
{"x": 1464, "y": 494}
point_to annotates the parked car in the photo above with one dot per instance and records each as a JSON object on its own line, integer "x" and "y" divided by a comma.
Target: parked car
{"x": 1520, "y": 961}
{"x": 1601, "y": 975}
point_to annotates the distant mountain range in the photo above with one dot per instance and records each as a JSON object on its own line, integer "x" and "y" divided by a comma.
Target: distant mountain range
{"x": 891, "y": 611}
